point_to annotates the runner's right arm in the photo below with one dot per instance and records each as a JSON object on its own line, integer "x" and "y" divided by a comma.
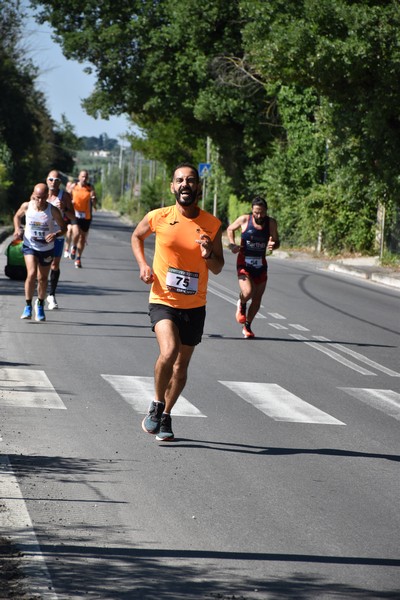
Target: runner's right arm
{"x": 18, "y": 229}
{"x": 141, "y": 232}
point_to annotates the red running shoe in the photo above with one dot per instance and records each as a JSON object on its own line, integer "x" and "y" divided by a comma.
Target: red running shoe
{"x": 247, "y": 332}
{"x": 240, "y": 312}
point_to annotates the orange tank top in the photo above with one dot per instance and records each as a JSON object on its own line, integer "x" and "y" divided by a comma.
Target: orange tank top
{"x": 180, "y": 272}
{"x": 81, "y": 201}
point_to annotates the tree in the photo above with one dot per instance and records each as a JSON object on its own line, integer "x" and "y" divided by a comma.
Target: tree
{"x": 164, "y": 71}
{"x": 347, "y": 52}
{"x": 28, "y": 141}
{"x": 301, "y": 97}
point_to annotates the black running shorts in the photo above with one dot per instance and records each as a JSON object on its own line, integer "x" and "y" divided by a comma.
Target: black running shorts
{"x": 190, "y": 322}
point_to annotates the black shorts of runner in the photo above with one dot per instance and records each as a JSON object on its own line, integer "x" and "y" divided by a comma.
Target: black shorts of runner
{"x": 190, "y": 322}
{"x": 84, "y": 224}
{"x": 45, "y": 258}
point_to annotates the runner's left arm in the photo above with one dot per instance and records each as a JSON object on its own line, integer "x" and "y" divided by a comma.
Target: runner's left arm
{"x": 93, "y": 198}
{"x": 273, "y": 230}
{"x": 212, "y": 252}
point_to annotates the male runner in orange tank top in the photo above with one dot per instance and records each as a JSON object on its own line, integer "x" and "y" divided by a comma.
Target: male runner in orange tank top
{"x": 188, "y": 246}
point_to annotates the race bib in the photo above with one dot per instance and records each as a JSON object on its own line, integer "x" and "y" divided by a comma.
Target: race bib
{"x": 182, "y": 282}
{"x": 254, "y": 261}
{"x": 39, "y": 235}
{"x": 80, "y": 215}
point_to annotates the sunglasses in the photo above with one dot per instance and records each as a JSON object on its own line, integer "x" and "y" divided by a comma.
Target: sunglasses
{"x": 53, "y": 179}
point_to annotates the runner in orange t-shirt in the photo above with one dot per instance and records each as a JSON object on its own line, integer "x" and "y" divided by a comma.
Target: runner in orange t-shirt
{"x": 188, "y": 246}
{"x": 84, "y": 200}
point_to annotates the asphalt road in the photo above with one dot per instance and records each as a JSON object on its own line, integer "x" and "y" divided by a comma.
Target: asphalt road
{"x": 283, "y": 481}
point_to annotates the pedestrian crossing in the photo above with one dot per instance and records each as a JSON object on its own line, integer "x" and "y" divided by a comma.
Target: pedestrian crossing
{"x": 139, "y": 392}
{"x": 271, "y": 399}
{"x": 386, "y": 401}
{"x": 27, "y": 388}
{"x": 279, "y": 404}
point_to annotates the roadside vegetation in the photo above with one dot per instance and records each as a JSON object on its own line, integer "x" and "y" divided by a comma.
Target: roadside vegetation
{"x": 296, "y": 100}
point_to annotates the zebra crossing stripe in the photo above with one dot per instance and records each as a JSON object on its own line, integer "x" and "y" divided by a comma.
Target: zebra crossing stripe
{"x": 386, "y": 401}
{"x": 279, "y": 404}
{"x": 139, "y": 392}
{"x": 25, "y": 388}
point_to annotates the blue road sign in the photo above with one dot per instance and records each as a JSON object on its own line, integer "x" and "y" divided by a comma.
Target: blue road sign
{"x": 204, "y": 169}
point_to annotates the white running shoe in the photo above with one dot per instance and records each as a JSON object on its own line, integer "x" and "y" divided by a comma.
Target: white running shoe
{"x": 66, "y": 254}
{"x": 52, "y": 302}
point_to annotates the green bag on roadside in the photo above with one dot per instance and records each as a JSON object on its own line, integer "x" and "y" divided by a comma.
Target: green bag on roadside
{"x": 15, "y": 267}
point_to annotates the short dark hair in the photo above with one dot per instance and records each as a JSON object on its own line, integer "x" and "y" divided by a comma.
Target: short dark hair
{"x": 187, "y": 165}
{"x": 259, "y": 201}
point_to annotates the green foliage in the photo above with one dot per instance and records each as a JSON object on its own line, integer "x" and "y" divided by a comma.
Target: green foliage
{"x": 301, "y": 98}
{"x": 156, "y": 143}
{"x": 348, "y": 54}
{"x": 155, "y": 194}
{"x": 29, "y": 139}
{"x": 389, "y": 259}
{"x": 171, "y": 74}
{"x": 5, "y": 181}
{"x": 66, "y": 143}
{"x": 237, "y": 208}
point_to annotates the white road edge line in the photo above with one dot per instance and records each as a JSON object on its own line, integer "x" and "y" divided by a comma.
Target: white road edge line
{"x": 16, "y": 524}
{"x": 212, "y": 289}
{"x": 332, "y": 354}
{"x": 358, "y": 356}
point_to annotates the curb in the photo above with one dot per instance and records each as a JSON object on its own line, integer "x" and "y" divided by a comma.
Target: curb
{"x": 349, "y": 271}
{"x": 368, "y": 274}
{"x": 386, "y": 279}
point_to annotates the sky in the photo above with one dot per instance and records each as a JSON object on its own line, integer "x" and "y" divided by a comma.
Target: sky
{"x": 65, "y": 84}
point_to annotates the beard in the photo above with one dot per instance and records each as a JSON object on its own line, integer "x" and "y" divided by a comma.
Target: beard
{"x": 260, "y": 220}
{"x": 189, "y": 199}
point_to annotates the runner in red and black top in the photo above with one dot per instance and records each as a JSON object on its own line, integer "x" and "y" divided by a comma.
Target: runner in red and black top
{"x": 259, "y": 236}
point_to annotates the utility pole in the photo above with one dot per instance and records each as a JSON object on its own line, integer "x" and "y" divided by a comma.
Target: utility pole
{"x": 215, "y": 184}
{"x": 208, "y": 153}
{"x": 122, "y": 169}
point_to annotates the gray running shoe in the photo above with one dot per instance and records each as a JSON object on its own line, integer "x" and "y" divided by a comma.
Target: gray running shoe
{"x": 151, "y": 422}
{"x": 165, "y": 434}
